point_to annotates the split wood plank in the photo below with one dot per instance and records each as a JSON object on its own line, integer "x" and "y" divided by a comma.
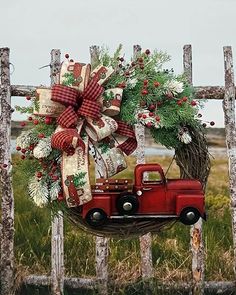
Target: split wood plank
{"x": 230, "y": 131}
{"x": 196, "y": 240}
{"x": 102, "y": 243}
{"x": 57, "y": 239}
{"x": 145, "y": 240}
{"x": 6, "y": 190}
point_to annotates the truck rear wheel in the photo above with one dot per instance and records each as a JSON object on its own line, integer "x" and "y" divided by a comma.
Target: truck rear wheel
{"x": 189, "y": 216}
{"x": 96, "y": 217}
{"x": 127, "y": 204}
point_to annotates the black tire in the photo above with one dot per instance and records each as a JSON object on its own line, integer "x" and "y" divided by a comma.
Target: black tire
{"x": 127, "y": 204}
{"x": 189, "y": 216}
{"x": 96, "y": 217}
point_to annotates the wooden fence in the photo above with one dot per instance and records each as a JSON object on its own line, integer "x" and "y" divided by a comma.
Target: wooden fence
{"x": 57, "y": 280}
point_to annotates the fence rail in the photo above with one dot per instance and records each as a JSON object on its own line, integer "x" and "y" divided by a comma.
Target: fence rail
{"x": 57, "y": 280}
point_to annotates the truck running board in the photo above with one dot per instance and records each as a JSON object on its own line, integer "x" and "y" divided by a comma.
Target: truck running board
{"x": 141, "y": 216}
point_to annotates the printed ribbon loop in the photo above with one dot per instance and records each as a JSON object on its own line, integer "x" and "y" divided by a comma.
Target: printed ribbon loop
{"x": 84, "y": 121}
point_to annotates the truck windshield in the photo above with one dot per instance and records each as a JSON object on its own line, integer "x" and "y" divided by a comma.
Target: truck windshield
{"x": 151, "y": 177}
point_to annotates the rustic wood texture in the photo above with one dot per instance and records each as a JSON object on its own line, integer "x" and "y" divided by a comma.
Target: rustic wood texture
{"x": 6, "y": 190}
{"x": 196, "y": 241}
{"x": 211, "y": 287}
{"x": 73, "y": 283}
{"x": 102, "y": 243}
{"x": 201, "y": 92}
{"x": 57, "y": 240}
{"x": 230, "y": 131}
{"x": 145, "y": 240}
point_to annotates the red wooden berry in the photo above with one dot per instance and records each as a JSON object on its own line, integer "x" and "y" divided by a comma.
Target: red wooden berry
{"x": 121, "y": 59}
{"x": 156, "y": 84}
{"x": 28, "y": 97}
{"x": 199, "y": 115}
{"x": 23, "y": 157}
{"x": 133, "y": 63}
{"x": 152, "y": 107}
{"x": 31, "y": 147}
{"x": 67, "y": 55}
{"x": 39, "y": 174}
{"x": 71, "y": 60}
{"x": 30, "y": 118}
{"x": 140, "y": 115}
{"x": 18, "y": 148}
{"x": 144, "y": 116}
{"x": 4, "y": 165}
{"x": 23, "y": 151}
{"x": 158, "y": 118}
{"x": 151, "y": 114}
{"x": 212, "y": 123}
{"x": 147, "y": 51}
{"x": 179, "y": 102}
{"x": 140, "y": 60}
{"x": 36, "y": 122}
{"x": 142, "y": 66}
{"x": 204, "y": 125}
{"x": 144, "y": 92}
{"x": 184, "y": 98}
{"x": 149, "y": 124}
{"x": 41, "y": 135}
{"x": 193, "y": 103}
{"x": 145, "y": 82}
{"x": 48, "y": 120}
{"x": 22, "y": 124}
{"x": 159, "y": 103}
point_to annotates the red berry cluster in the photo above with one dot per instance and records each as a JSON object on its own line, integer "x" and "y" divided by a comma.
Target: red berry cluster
{"x": 146, "y": 83}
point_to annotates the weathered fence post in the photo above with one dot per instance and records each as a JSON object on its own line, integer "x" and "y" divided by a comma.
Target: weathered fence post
{"x": 57, "y": 242}
{"x": 229, "y": 115}
{"x": 145, "y": 240}
{"x": 7, "y": 205}
{"x": 197, "y": 245}
{"x": 102, "y": 243}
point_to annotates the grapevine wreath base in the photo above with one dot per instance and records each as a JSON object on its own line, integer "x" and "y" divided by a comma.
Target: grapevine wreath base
{"x": 193, "y": 161}
{"x": 94, "y": 111}
{"x": 122, "y": 229}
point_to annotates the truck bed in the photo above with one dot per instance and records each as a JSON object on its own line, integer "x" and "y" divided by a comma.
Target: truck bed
{"x": 112, "y": 185}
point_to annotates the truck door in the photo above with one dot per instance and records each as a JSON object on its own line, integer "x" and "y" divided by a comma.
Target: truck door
{"x": 153, "y": 198}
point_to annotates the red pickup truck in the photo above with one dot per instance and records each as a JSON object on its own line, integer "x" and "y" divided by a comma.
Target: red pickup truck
{"x": 151, "y": 196}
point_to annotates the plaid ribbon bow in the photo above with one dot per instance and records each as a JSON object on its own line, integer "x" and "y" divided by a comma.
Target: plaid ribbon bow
{"x": 82, "y": 105}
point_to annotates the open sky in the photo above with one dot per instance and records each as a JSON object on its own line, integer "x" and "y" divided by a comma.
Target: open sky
{"x": 32, "y": 28}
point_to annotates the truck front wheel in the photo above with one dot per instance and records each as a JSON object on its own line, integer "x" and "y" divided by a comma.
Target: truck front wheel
{"x": 127, "y": 204}
{"x": 96, "y": 217}
{"x": 189, "y": 216}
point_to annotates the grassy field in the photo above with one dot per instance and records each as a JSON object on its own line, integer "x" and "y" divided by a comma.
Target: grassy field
{"x": 171, "y": 253}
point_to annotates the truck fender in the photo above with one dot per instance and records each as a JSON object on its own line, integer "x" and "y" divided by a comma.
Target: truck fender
{"x": 194, "y": 201}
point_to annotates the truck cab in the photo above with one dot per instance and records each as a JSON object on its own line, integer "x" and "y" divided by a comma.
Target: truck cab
{"x": 150, "y": 196}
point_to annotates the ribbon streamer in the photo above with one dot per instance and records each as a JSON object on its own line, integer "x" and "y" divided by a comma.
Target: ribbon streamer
{"x": 82, "y": 121}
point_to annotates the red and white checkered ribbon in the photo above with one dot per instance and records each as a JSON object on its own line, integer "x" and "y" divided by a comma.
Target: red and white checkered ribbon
{"x": 84, "y": 110}
{"x": 82, "y": 105}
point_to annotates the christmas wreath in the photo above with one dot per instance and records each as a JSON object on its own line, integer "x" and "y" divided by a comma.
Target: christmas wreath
{"x": 94, "y": 111}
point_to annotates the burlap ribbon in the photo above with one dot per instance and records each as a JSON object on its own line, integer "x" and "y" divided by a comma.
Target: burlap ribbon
{"x": 81, "y": 122}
